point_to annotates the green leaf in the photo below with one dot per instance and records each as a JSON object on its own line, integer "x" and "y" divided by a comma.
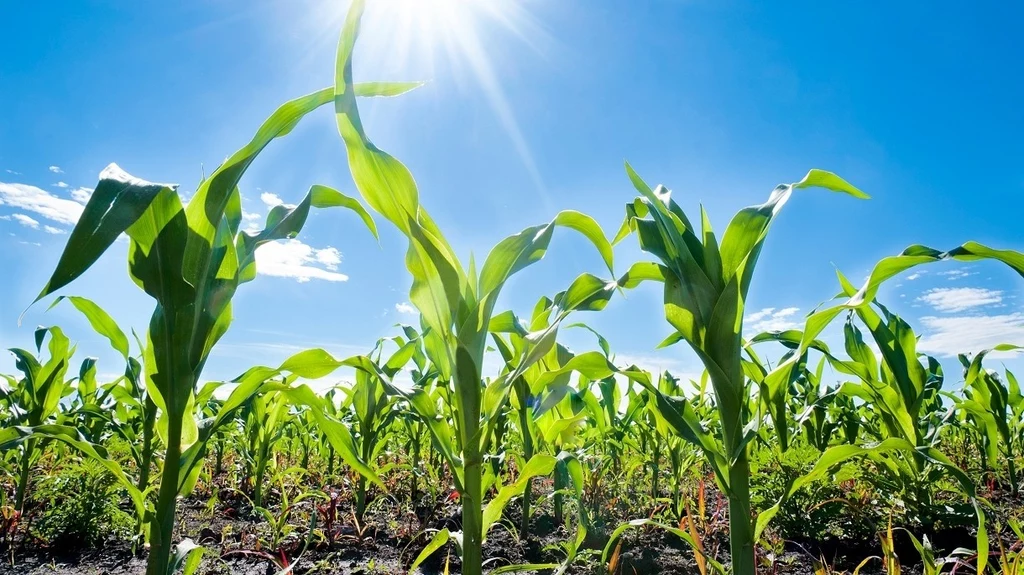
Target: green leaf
{"x": 829, "y": 181}
{"x": 324, "y": 197}
{"x": 436, "y": 542}
{"x": 539, "y": 464}
{"x": 384, "y": 89}
{"x": 13, "y": 436}
{"x": 187, "y": 557}
{"x": 100, "y": 321}
{"x": 118, "y": 201}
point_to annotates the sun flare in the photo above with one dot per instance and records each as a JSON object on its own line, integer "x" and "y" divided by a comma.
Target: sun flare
{"x": 453, "y": 44}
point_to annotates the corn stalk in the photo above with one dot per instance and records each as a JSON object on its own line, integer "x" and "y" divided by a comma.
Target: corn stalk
{"x": 705, "y": 291}
{"x": 190, "y": 260}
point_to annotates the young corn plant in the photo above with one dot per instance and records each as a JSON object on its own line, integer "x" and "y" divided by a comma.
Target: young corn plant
{"x": 681, "y": 455}
{"x": 537, "y": 423}
{"x": 996, "y": 409}
{"x": 373, "y": 411}
{"x": 457, "y": 305}
{"x": 190, "y": 260}
{"x": 35, "y": 398}
{"x": 124, "y": 406}
{"x": 895, "y": 341}
{"x": 264, "y": 419}
{"x": 705, "y": 290}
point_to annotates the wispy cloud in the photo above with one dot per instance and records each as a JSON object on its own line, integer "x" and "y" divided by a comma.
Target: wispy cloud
{"x": 948, "y": 336}
{"x": 81, "y": 195}
{"x": 294, "y": 259}
{"x": 252, "y": 220}
{"x": 956, "y": 274}
{"x": 271, "y": 199}
{"x": 328, "y": 257}
{"x": 61, "y": 184}
{"x": 30, "y": 222}
{"x": 26, "y": 221}
{"x": 656, "y": 363}
{"x": 915, "y": 275}
{"x": 404, "y": 307}
{"x": 960, "y": 299}
{"x": 56, "y": 170}
{"x": 40, "y": 202}
{"x": 771, "y": 319}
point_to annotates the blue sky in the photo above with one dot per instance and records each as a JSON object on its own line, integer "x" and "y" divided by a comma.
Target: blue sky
{"x": 535, "y": 111}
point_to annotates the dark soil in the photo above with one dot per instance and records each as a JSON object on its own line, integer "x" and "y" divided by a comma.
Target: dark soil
{"x": 235, "y": 541}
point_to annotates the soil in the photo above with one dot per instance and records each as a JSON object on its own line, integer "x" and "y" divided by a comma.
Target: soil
{"x": 235, "y": 539}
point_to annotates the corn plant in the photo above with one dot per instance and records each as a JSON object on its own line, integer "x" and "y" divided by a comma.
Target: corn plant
{"x": 681, "y": 455}
{"x": 190, "y": 260}
{"x": 904, "y": 392}
{"x": 997, "y": 410}
{"x": 124, "y": 406}
{"x": 302, "y": 432}
{"x": 525, "y": 397}
{"x": 373, "y": 411}
{"x": 895, "y": 343}
{"x": 264, "y": 419}
{"x": 457, "y": 304}
{"x": 705, "y": 289}
{"x": 35, "y": 398}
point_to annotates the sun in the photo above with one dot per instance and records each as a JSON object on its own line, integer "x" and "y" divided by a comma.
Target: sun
{"x": 450, "y": 44}
{"x": 461, "y": 36}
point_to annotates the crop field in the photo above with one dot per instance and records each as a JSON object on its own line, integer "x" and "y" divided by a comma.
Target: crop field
{"x": 471, "y": 438}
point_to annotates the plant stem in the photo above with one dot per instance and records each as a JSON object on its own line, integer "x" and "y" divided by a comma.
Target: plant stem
{"x": 162, "y": 528}
{"x": 655, "y": 471}
{"x": 472, "y": 512}
{"x": 1014, "y": 488}
{"x": 415, "y": 440}
{"x": 261, "y": 471}
{"x": 330, "y": 463}
{"x": 559, "y": 487}
{"x": 360, "y": 499}
{"x": 741, "y": 532}
{"x": 26, "y": 466}
{"x": 149, "y": 419}
{"x": 523, "y": 390}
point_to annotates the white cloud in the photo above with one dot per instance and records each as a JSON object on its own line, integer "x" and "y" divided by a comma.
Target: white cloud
{"x": 252, "y": 220}
{"x": 41, "y": 202}
{"x": 55, "y": 169}
{"x": 329, "y": 257}
{"x": 271, "y": 199}
{"x": 33, "y": 223}
{"x": 960, "y": 299}
{"x": 81, "y": 195}
{"x": 294, "y": 259}
{"x": 404, "y": 307}
{"x": 948, "y": 336}
{"x": 770, "y": 319}
{"x": 956, "y": 274}
{"x": 658, "y": 362}
{"x": 26, "y": 221}
{"x": 914, "y": 276}
{"x": 61, "y": 184}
